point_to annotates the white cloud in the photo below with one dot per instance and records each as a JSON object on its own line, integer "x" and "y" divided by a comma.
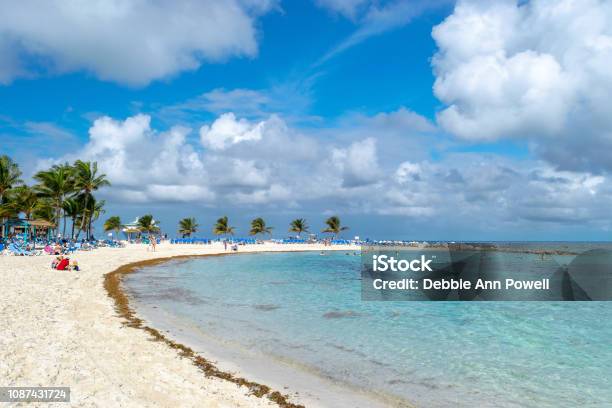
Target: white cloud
{"x": 402, "y": 120}
{"x": 233, "y": 173}
{"x": 227, "y": 131}
{"x": 186, "y": 193}
{"x": 266, "y": 161}
{"x": 290, "y": 99}
{"x": 408, "y": 171}
{"x": 376, "y": 18}
{"x": 495, "y": 190}
{"x": 131, "y": 42}
{"x": 220, "y": 101}
{"x": 273, "y": 172}
{"x": 146, "y": 165}
{"x": 537, "y": 70}
{"x": 10, "y": 66}
{"x": 143, "y": 164}
{"x": 274, "y": 193}
{"x": 270, "y": 138}
{"x": 348, "y": 8}
{"x": 358, "y": 163}
{"x": 401, "y": 134}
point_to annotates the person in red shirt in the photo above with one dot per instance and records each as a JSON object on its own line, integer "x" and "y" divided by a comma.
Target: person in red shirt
{"x": 63, "y": 264}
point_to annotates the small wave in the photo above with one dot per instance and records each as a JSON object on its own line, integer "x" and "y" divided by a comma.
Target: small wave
{"x": 336, "y": 314}
{"x": 157, "y": 278}
{"x": 347, "y": 349}
{"x": 176, "y": 295}
{"x": 397, "y": 381}
{"x": 378, "y": 363}
{"x": 266, "y": 308}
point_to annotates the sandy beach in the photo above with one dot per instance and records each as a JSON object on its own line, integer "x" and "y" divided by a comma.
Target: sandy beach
{"x": 60, "y": 328}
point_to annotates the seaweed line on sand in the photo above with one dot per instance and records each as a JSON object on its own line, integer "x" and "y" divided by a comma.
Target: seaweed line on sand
{"x": 112, "y": 284}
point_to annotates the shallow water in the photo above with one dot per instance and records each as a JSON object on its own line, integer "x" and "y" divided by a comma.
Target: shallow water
{"x": 307, "y": 308}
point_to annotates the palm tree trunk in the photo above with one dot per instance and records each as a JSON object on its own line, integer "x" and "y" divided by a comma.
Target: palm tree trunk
{"x": 3, "y": 219}
{"x": 58, "y": 215}
{"x": 83, "y": 220}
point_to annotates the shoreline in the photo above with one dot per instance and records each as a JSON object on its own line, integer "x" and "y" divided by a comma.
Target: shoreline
{"x": 112, "y": 284}
{"x": 303, "y": 385}
{"x": 61, "y": 328}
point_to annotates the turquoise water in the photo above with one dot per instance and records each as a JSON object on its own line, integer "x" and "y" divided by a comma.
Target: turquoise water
{"x": 307, "y": 308}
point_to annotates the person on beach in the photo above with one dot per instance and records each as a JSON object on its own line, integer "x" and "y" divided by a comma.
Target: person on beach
{"x": 225, "y": 245}
{"x": 63, "y": 264}
{"x": 153, "y": 243}
{"x": 55, "y": 262}
{"x": 74, "y": 265}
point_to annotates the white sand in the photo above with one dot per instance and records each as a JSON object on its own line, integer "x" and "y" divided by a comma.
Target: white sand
{"x": 60, "y": 328}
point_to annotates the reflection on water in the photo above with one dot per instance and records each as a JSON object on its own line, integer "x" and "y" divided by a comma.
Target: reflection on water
{"x": 308, "y": 309}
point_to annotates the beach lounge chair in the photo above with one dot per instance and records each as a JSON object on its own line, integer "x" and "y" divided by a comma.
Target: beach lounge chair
{"x": 15, "y": 250}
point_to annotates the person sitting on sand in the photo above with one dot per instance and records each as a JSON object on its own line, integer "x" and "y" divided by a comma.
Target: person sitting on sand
{"x": 57, "y": 249}
{"x": 55, "y": 262}
{"x": 63, "y": 264}
{"x": 74, "y": 265}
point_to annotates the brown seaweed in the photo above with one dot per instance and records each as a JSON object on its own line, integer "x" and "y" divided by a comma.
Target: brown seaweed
{"x": 112, "y": 284}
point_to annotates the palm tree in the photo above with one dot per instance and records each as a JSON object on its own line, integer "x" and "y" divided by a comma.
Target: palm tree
{"x": 72, "y": 209}
{"x": 334, "y": 226}
{"x": 9, "y": 209}
{"x": 6, "y": 211}
{"x": 44, "y": 210}
{"x": 188, "y": 226}
{"x": 9, "y": 175}
{"x": 222, "y": 227}
{"x": 87, "y": 180}
{"x": 298, "y": 225}
{"x": 258, "y": 226}
{"x": 113, "y": 224}
{"x": 24, "y": 200}
{"x": 55, "y": 184}
{"x": 9, "y": 178}
{"x": 147, "y": 224}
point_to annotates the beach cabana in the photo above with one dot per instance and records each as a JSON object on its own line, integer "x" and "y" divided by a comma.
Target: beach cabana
{"x": 29, "y": 228}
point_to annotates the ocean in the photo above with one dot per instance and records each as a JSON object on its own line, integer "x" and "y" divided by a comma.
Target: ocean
{"x": 305, "y": 311}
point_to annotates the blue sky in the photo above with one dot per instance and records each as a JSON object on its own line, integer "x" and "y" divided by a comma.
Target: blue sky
{"x": 410, "y": 119}
{"x": 370, "y": 77}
